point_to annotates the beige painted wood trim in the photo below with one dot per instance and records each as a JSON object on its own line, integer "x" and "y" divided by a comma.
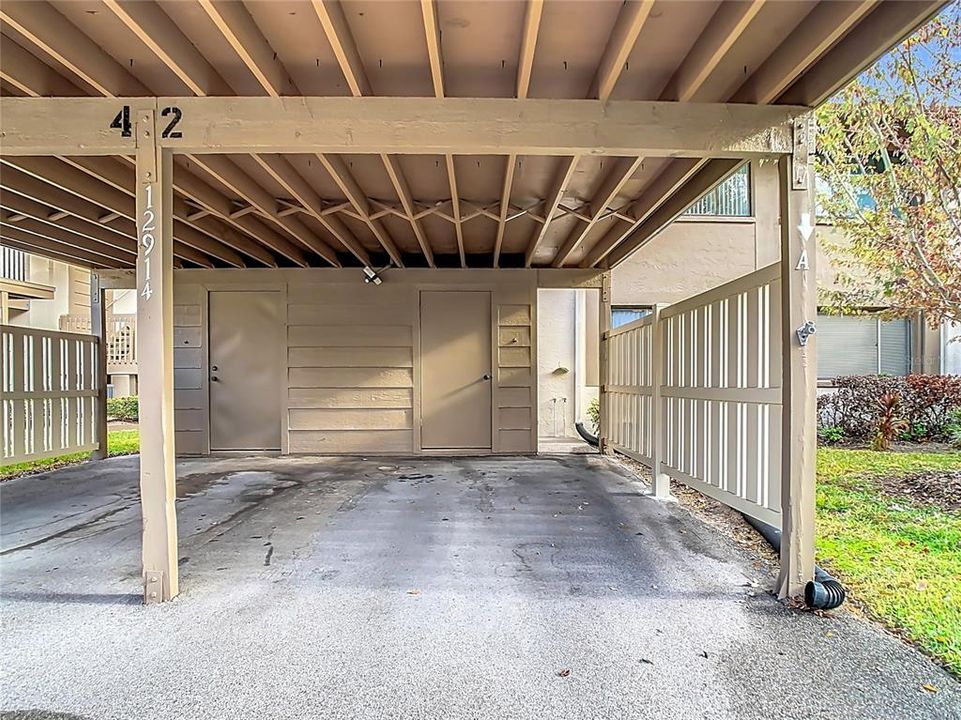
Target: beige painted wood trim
{"x": 408, "y": 126}
{"x": 158, "y": 489}
{"x": 799, "y": 383}
{"x": 98, "y": 328}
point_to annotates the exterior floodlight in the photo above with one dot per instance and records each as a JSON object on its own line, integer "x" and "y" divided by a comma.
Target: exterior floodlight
{"x": 370, "y": 276}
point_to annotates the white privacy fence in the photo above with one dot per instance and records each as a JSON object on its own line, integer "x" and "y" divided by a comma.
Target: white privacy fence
{"x": 49, "y": 393}
{"x": 696, "y": 387}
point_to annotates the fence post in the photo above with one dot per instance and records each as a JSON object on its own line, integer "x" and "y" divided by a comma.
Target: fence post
{"x": 604, "y": 328}
{"x": 155, "y": 352}
{"x": 98, "y": 328}
{"x": 799, "y": 367}
{"x": 661, "y": 483}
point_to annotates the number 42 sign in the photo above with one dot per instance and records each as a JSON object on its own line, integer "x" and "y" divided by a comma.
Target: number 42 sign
{"x": 121, "y": 122}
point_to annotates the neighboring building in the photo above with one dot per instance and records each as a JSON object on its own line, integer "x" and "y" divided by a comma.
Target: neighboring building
{"x": 52, "y": 295}
{"x": 730, "y": 232}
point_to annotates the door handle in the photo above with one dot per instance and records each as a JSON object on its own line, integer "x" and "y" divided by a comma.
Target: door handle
{"x": 487, "y": 376}
{"x": 213, "y": 378}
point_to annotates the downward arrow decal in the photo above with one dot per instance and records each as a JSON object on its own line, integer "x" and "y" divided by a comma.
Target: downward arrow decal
{"x": 806, "y": 228}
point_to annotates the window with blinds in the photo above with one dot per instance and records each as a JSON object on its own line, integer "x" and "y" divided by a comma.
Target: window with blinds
{"x": 732, "y": 198}
{"x": 862, "y": 345}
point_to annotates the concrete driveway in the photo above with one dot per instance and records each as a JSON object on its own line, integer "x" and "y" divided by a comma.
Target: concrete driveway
{"x": 543, "y": 587}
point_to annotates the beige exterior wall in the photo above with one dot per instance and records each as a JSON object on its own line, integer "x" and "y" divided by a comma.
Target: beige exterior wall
{"x": 353, "y": 369}
{"x": 695, "y": 254}
{"x": 556, "y": 362}
{"x": 71, "y": 295}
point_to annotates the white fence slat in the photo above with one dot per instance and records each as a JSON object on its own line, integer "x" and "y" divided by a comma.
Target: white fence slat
{"x": 49, "y": 385}
{"x": 720, "y": 392}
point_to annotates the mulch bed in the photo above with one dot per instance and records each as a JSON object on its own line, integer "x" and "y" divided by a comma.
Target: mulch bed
{"x": 930, "y": 487}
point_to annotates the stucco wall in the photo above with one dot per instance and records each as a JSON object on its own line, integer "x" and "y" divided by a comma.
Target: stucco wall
{"x": 72, "y": 293}
{"x": 556, "y": 361}
{"x": 695, "y": 254}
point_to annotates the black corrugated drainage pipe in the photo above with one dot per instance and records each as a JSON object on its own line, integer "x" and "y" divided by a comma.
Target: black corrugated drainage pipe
{"x": 824, "y": 592}
{"x": 582, "y": 431}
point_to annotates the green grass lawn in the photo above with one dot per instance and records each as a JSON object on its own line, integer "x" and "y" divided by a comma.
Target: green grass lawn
{"x": 900, "y": 560}
{"x": 119, "y": 442}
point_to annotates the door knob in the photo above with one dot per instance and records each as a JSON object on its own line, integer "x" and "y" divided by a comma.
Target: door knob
{"x": 487, "y": 376}
{"x": 213, "y": 378}
{"x": 214, "y": 368}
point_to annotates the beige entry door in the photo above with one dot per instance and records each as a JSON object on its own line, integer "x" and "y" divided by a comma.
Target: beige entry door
{"x": 455, "y": 347}
{"x": 246, "y": 370}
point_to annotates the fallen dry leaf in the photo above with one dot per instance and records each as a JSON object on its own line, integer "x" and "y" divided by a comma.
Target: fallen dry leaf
{"x": 413, "y": 591}
{"x": 928, "y": 687}
{"x": 564, "y": 673}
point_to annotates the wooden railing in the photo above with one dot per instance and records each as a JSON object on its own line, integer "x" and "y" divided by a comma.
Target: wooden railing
{"x": 121, "y": 338}
{"x": 49, "y": 399}
{"x": 694, "y": 391}
{"x": 13, "y": 264}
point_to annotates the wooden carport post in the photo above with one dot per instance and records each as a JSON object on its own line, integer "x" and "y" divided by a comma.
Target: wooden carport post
{"x": 158, "y": 491}
{"x": 799, "y": 366}
{"x": 660, "y": 482}
{"x": 98, "y": 328}
{"x": 603, "y": 366}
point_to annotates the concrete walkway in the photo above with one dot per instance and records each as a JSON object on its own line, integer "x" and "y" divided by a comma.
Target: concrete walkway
{"x": 461, "y": 588}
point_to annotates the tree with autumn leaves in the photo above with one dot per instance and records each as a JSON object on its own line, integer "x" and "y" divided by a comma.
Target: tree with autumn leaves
{"x": 889, "y": 159}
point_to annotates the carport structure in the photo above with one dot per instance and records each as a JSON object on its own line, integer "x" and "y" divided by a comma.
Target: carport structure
{"x": 250, "y": 159}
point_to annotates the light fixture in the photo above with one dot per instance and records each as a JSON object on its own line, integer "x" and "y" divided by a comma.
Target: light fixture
{"x": 371, "y": 275}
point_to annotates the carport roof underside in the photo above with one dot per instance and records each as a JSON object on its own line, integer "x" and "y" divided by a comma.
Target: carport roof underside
{"x": 464, "y": 207}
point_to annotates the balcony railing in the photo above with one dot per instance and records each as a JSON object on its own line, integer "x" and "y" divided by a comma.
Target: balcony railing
{"x": 121, "y": 339}
{"x": 13, "y": 264}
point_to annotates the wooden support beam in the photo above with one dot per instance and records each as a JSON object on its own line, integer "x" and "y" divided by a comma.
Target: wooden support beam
{"x": 455, "y": 209}
{"x": 729, "y": 22}
{"x": 712, "y": 174}
{"x": 799, "y": 374}
{"x": 44, "y": 245}
{"x": 27, "y": 208}
{"x": 661, "y": 189}
{"x": 339, "y": 172}
{"x": 525, "y": 60}
{"x": 242, "y": 34}
{"x": 30, "y": 195}
{"x": 818, "y": 32}
{"x": 399, "y": 182}
{"x": 504, "y": 206}
{"x": 345, "y": 50}
{"x": 231, "y": 176}
{"x": 152, "y": 26}
{"x": 886, "y": 26}
{"x": 622, "y": 171}
{"x": 158, "y": 488}
{"x": 331, "y": 16}
{"x": 98, "y": 328}
{"x": 63, "y": 41}
{"x": 399, "y": 125}
{"x": 634, "y": 14}
{"x": 71, "y": 179}
{"x": 30, "y": 75}
{"x": 604, "y": 324}
{"x": 287, "y": 176}
{"x": 67, "y": 237}
{"x": 205, "y": 195}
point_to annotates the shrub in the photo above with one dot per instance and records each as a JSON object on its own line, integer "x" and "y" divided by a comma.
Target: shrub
{"x": 123, "y": 408}
{"x": 890, "y": 424}
{"x": 926, "y": 403}
{"x": 594, "y": 414}
{"x": 954, "y": 428}
{"x": 830, "y": 434}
